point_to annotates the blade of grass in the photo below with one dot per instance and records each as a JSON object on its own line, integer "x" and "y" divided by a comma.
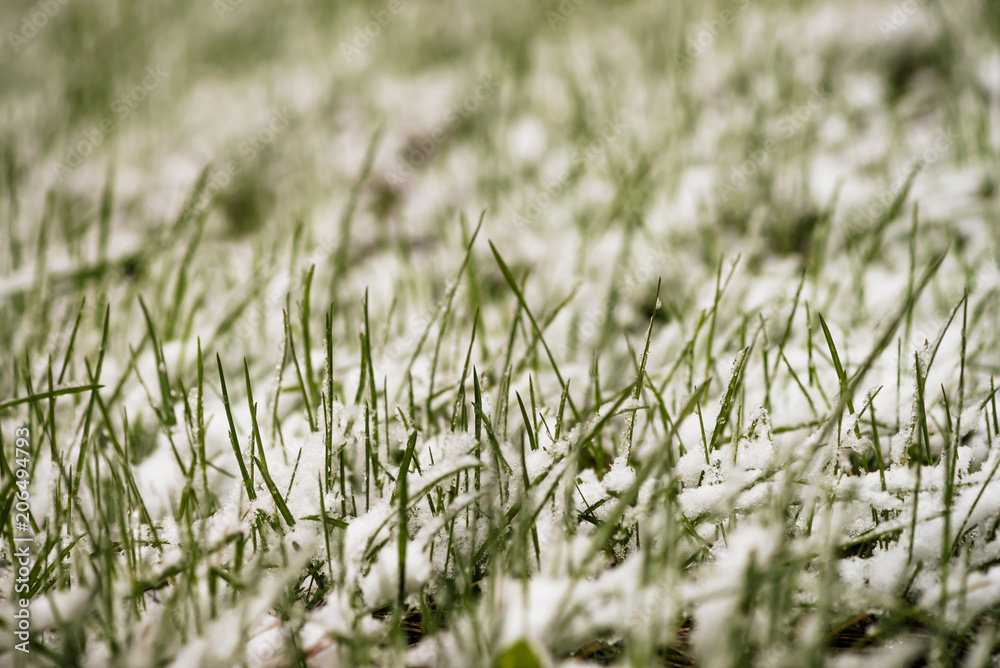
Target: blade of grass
{"x": 524, "y": 305}
{"x": 232, "y": 433}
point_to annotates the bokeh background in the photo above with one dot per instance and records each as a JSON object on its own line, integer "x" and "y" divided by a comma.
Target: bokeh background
{"x": 608, "y": 144}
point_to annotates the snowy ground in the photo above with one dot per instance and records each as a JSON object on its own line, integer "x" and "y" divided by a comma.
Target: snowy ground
{"x": 552, "y": 334}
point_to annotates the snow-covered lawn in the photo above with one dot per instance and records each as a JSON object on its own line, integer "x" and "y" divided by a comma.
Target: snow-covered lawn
{"x": 523, "y": 334}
